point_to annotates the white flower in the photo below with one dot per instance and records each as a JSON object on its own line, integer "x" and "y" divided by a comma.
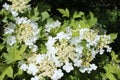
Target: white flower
{"x": 76, "y": 40}
{"x": 77, "y": 62}
{"x": 35, "y": 78}
{"x": 25, "y": 31}
{"x": 101, "y": 51}
{"x": 29, "y": 42}
{"x": 23, "y": 67}
{"x": 14, "y": 13}
{"x": 32, "y": 69}
{"x": 39, "y": 58}
{"x": 33, "y": 47}
{"x": 62, "y": 35}
{"x": 6, "y": 6}
{"x": 53, "y": 25}
{"x": 93, "y": 66}
{"x": 79, "y": 50}
{"x": 109, "y": 49}
{"x": 22, "y": 20}
{"x": 68, "y": 67}
{"x": 57, "y": 62}
{"x": 50, "y": 41}
{"x": 11, "y": 40}
{"x": 57, "y": 74}
{"x": 10, "y": 28}
{"x": 56, "y": 24}
{"x": 83, "y": 69}
{"x": 88, "y": 69}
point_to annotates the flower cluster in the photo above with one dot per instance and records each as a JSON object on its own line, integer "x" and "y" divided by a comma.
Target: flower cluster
{"x": 49, "y": 49}
{"x": 22, "y": 31}
{"x": 65, "y": 52}
{"x": 17, "y": 6}
{"x": 51, "y": 25}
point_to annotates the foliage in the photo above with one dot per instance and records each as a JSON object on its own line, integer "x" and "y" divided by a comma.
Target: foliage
{"x": 43, "y": 42}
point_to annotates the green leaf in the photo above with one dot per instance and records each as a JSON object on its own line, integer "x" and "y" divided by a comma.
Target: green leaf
{"x": 83, "y": 24}
{"x": 65, "y": 12}
{"x": 8, "y": 71}
{"x": 18, "y": 73}
{"x": 1, "y": 46}
{"x": 113, "y": 36}
{"x": 45, "y": 15}
{"x": 14, "y": 54}
{"x": 3, "y": 67}
{"x": 34, "y": 18}
{"x": 36, "y": 12}
{"x": 111, "y": 70}
{"x": 92, "y": 21}
{"x": 114, "y": 56}
{"x": 78, "y": 15}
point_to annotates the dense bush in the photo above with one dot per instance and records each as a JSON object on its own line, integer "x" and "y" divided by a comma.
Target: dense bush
{"x": 59, "y": 40}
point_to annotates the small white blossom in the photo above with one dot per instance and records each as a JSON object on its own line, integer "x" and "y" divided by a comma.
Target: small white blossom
{"x": 93, "y": 66}
{"x": 101, "y": 51}
{"x": 34, "y": 48}
{"x": 11, "y": 40}
{"x": 6, "y": 6}
{"x": 50, "y": 41}
{"x": 35, "y": 78}
{"x": 32, "y": 69}
{"x": 10, "y": 28}
{"x": 68, "y": 67}
{"x": 77, "y": 62}
{"x": 60, "y": 35}
{"x": 23, "y": 67}
{"x": 57, "y": 74}
{"x": 109, "y": 49}
{"x": 14, "y": 13}
{"x": 39, "y": 58}
{"x": 53, "y": 25}
{"x": 82, "y": 69}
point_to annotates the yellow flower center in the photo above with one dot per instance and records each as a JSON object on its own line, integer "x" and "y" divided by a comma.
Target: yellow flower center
{"x": 65, "y": 51}
{"x": 23, "y": 32}
{"x": 19, "y": 5}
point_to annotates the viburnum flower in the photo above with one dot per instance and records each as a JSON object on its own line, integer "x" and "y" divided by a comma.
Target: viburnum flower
{"x": 57, "y": 74}
{"x": 52, "y": 25}
{"x": 17, "y": 6}
{"x": 23, "y": 30}
{"x": 11, "y": 40}
{"x": 32, "y": 69}
{"x": 35, "y": 78}
{"x": 68, "y": 67}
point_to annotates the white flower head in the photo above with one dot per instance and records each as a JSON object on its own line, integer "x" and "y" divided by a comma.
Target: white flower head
{"x": 11, "y": 40}
{"x": 109, "y": 49}
{"x": 19, "y": 5}
{"x": 68, "y": 67}
{"x": 32, "y": 69}
{"x": 53, "y": 25}
{"x": 10, "y": 28}
{"x": 14, "y": 13}
{"x": 101, "y": 51}
{"x": 57, "y": 74}
{"x": 39, "y": 58}
{"x": 34, "y": 48}
{"x": 24, "y": 30}
{"x": 62, "y": 35}
{"x": 24, "y": 66}
{"x": 6, "y": 6}
{"x": 77, "y": 62}
{"x": 35, "y": 78}
{"x": 88, "y": 69}
{"x": 50, "y": 41}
